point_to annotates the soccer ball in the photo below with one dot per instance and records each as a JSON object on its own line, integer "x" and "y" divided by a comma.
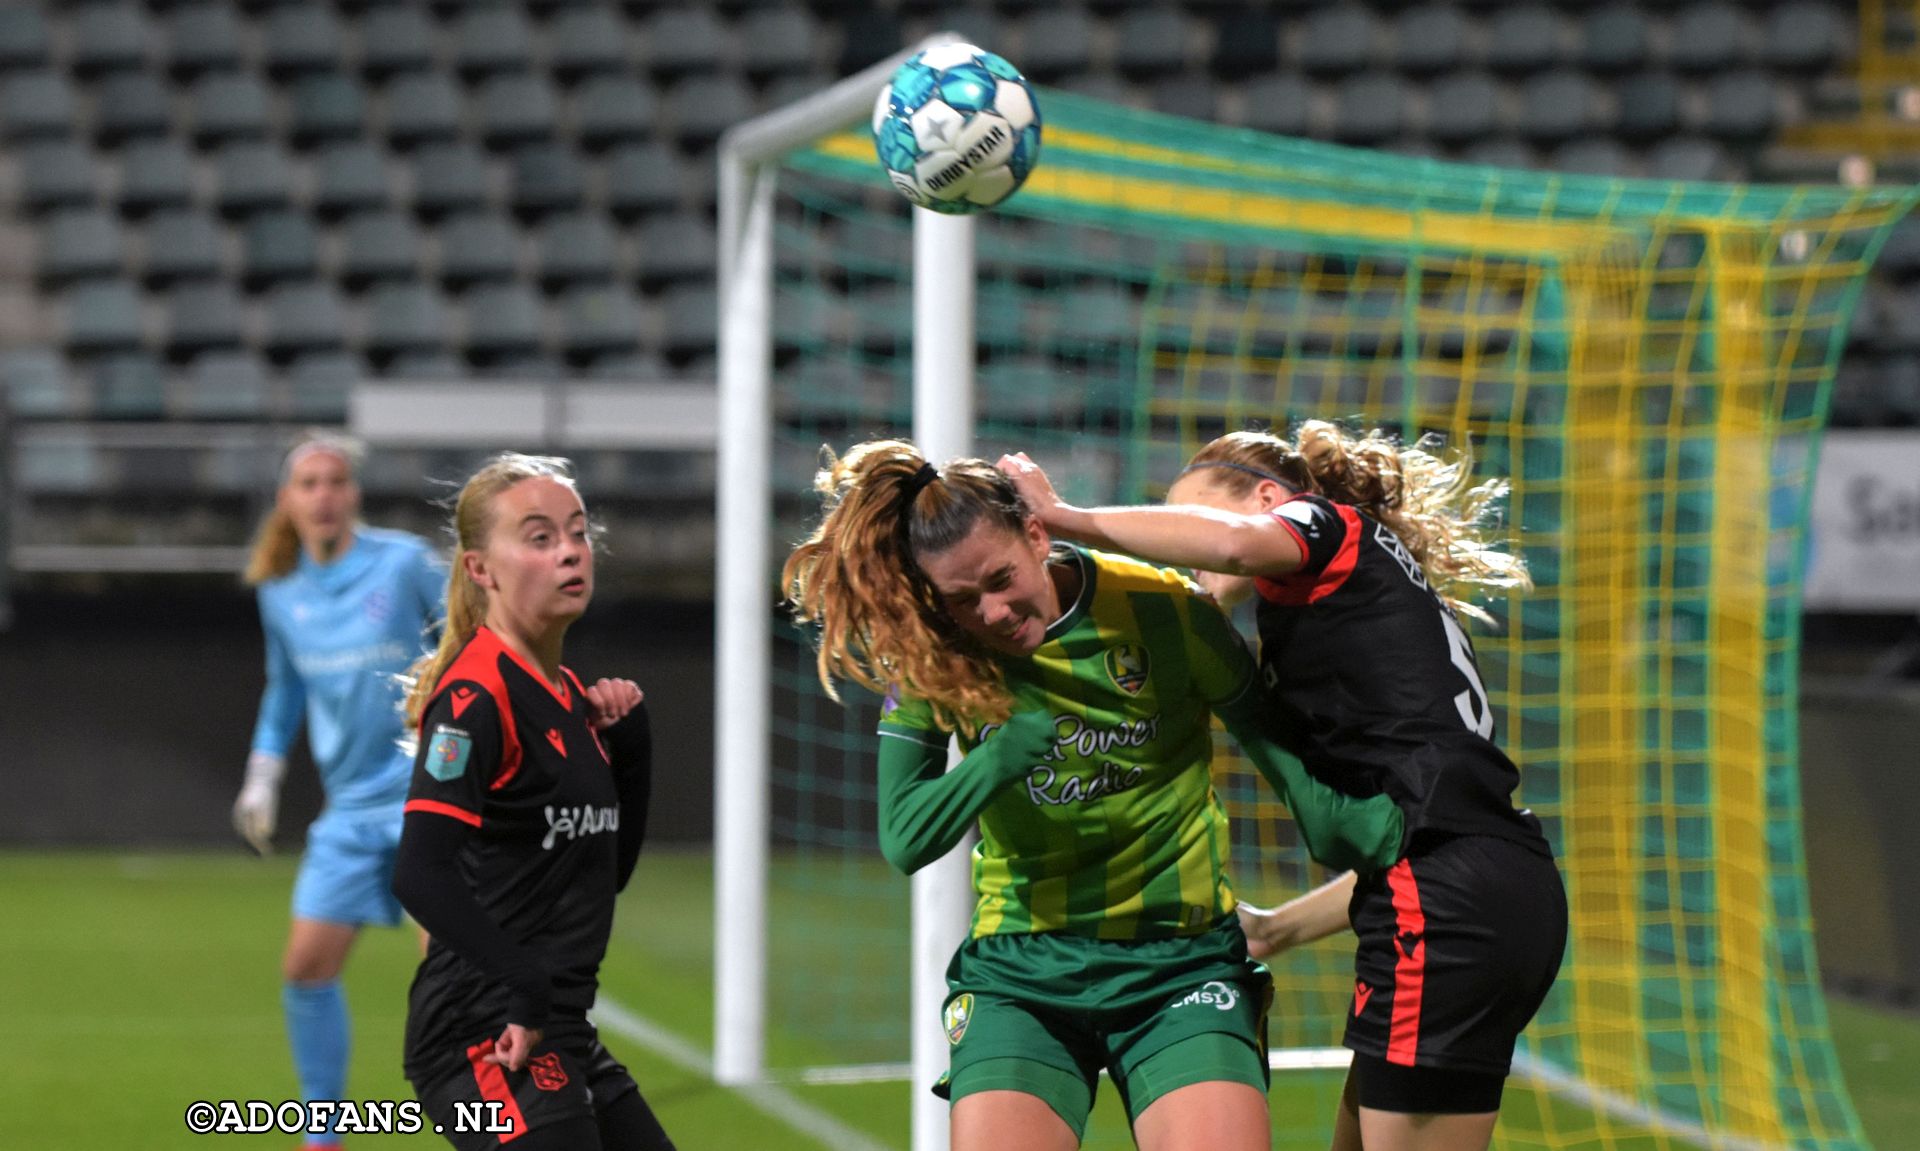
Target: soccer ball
{"x": 957, "y": 130}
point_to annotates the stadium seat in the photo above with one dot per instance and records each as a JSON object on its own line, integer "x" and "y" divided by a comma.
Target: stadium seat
{"x": 1901, "y": 385}
{"x": 1592, "y": 156}
{"x": 1369, "y": 108}
{"x": 129, "y": 386}
{"x": 1741, "y": 106}
{"x": 422, "y": 108}
{"x": 528, "y": 367}
{"x": 203, "y": 315}
{"x": 1279, "y": 102}
{"x": 326, "y": 106}
{"x": 675, "y": 247}
{"x": 512, "y": 109}
{"x": 251, "y": 176}
{"x": 35, "y": 384}
{"x": 489, "y": 39}
{"x": 682, "y": 41}
{"x": 426, "y": 366}
{"x": 598, "y": 320}
{"x": 636, "y": 366}
{"x": 1706, "y": 38}
{"x": 23, "y": 37}
{"x": 181, "y": 244}
{"x": 1151, "y": 43}
{"x": 546, "y": 178}
{"x": 405, "y": 319}
{"x": 478, "y": 247}
{"x": 977, "y": 23}
{"x": 1195, "y": 97}
{"x": 704, "y": 106}
{"x": 103, "y": 316}
{"x": 202, "y": 38}
{"x": 222, "y": 384}
{"x": 226, "y": 106}
{"x": 56, "y": 175}
{"x": 107, "y": 37}
{"x": 692, "y": 320}
{"x": 576, "y": 248}
{"x": 35, "y": 105}
{"x": 1556, "y": 106}
{"x": 448, "y": 178}
{"x": 779, "y": 41}
{"x": 1500, "y": 152}
{"x": 612, "y": 109}
{"x": 376, "y": 246}
{"x": 1430, "y": 40}
{"x": 350, "y": 176}
{"x": 1523, "y": 39}
{"x": 300, "y": 38}
{"x": 128, "y": 106}
{"x": 502, "y": 320}
{"x": 1900, "y": 259}
{"x": 1613, "y": 40}
{"x": 1648, "y": 107}
{"x": 79, "y": 244}
{"x": 642, "y": 178}
{"x": 155, "y": 173}
{"x": 1900, "y": 320}
{"x": 1689, "y": 158}
{"x": 1246, "y": 44}
{"x": 395, "y": 39}
{"x": 319, "y": 383}
{"x": 305, "y": 316}
{"x": 1804, "y": 37}
{"x": 1337, "y": 41}
{"x": 1463, "y": 107}
{"x": 586, "y": 41}
{"x": 868, "y": 36}
{"x": 1058, "y": 42}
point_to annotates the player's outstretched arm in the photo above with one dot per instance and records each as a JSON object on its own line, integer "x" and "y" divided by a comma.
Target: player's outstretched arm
{"x": 925, "y": 809}
{"x": 1340, "y": 830}
{"x": 1184, "y": 535}
{"x": 1315, "y": 915}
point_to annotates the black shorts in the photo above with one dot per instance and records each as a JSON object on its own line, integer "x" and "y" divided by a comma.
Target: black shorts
{"x": 1458, "y": 945}
{"x": 569, "y": 1076}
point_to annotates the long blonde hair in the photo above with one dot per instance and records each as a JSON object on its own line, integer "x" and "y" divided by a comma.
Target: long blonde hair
{"x": 466, "y": 600}
{"x": 882, "y": 623}
{"x": 1428, "y": 500}
{"x": 276, "y": 545}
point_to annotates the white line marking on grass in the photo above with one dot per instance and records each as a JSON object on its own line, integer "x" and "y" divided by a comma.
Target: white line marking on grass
{"x": 1565, "y": 1084}
{"x": 775, "y": 1102}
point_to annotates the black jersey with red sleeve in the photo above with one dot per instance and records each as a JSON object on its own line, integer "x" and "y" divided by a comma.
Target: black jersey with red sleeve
{"x": 1374, "y": 682}
{"x": 514, "y": 848}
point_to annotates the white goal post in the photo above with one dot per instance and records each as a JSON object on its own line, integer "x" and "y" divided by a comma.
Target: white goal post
{"x": 943, "y": 422}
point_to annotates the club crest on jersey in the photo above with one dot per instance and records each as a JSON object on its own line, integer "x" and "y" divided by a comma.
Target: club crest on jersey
{"x": 957, "y": 1015}
{"x": 447, "y": 754}
{"x": 1127, "y": 667}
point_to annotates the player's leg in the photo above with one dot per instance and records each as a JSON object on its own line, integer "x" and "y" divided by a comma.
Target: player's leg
{"x": 626, "y": 1122}
{"x": 1210, "y": 1116}
{"x": 1346, "y": 1121}
{"x": 1011, "y": 1120}
{"x": 1022, "y": 1076}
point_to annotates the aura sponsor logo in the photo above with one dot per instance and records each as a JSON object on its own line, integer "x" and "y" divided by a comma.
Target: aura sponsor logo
{"x": 574, "y": 822}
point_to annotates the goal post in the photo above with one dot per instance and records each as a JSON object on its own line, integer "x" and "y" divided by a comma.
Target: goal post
{"x": 1649, "y": 362}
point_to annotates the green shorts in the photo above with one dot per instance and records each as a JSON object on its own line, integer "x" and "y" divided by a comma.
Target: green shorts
{"x": 1045, "y": 1013}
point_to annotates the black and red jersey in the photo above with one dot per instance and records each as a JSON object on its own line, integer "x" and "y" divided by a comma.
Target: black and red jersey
{"x": 513, "y": 758}
{"x": 1374, "y": 680}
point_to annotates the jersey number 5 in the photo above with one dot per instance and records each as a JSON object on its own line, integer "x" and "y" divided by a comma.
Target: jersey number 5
{"x": 1475, "y": 712}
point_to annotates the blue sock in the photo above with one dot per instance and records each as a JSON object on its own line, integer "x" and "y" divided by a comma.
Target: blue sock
{"x": 317, "y": 1028}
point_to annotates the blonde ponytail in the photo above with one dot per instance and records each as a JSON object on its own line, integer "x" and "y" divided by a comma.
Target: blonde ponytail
{"x": 276, "y": 549}
{"x": 466, "y": 600}
{"x": 1427, "y": 500}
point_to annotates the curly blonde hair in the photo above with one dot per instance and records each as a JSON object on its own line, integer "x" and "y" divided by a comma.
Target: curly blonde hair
{"x": 882, "y": 623}
{"x": 1427, "y": 499}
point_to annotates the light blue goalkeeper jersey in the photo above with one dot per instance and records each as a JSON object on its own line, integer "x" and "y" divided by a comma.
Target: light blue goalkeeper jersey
{"x": 338, "y": 635}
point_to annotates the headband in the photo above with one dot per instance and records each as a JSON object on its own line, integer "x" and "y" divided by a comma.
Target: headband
{"x": 314, "y": 447}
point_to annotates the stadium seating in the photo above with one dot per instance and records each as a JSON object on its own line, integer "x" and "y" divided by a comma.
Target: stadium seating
{"x": 528, "y": 185}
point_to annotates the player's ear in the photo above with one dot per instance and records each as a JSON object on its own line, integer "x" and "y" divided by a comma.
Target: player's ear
{"x": 1038, "y": 541}
{"x": 1271, "y": 494}
{"x": 475, "y": 565}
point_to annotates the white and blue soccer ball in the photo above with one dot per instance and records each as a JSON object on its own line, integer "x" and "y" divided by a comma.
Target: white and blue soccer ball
{"x": 958, "y": 129}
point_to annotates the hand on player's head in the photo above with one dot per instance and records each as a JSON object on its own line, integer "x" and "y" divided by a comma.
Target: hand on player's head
{"x": 612, "y": 700}
{"x": 1031, "y": 481}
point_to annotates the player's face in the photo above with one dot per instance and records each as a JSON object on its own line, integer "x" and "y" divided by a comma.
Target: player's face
{"x": 537, "y": 567}
{"x": 994, "y": 584}
{"x": 321, "y": 498}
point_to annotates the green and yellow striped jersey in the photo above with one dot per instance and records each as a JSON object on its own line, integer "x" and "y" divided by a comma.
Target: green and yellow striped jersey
{"x": 1116, "y": 832}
